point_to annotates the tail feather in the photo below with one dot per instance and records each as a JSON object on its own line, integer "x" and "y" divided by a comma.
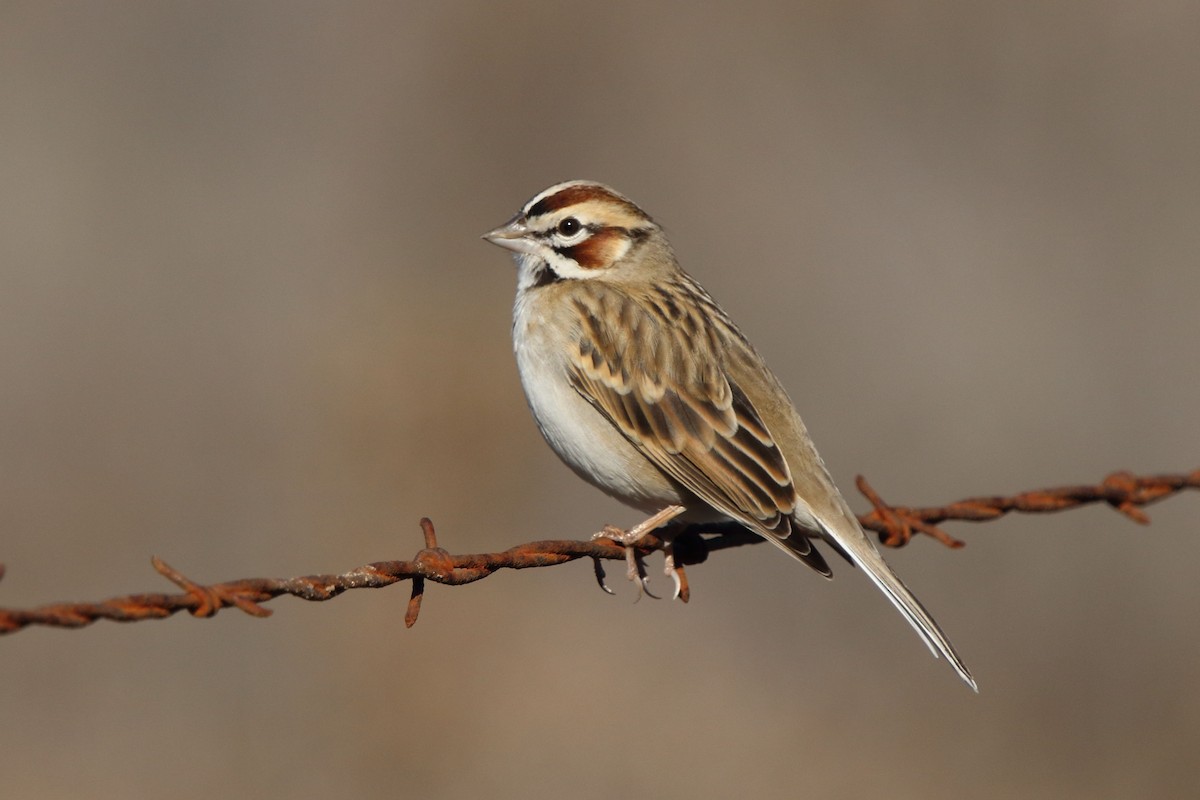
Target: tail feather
{"x": 841, "y": 530}
{"x": 894, "y": 589}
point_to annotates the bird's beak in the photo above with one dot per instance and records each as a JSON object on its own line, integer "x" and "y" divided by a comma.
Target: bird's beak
{"x": 512, "y": 235}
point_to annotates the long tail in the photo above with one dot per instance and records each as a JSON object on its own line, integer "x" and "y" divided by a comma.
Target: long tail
{"x": 890, "y": 584}
{"x": 841, "y": 528}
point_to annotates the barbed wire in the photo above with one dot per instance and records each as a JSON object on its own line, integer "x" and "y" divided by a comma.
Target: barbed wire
{"x": 1124, "y": 491}
{"x": 895, "y": 525}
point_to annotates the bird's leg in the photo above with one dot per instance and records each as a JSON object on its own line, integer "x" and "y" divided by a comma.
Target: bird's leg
{"x": 627, "y": 539}
{"x": 635, "y": 570}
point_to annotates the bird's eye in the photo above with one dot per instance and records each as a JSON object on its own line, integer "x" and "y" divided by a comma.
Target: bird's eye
{"x": 569, "y": 226}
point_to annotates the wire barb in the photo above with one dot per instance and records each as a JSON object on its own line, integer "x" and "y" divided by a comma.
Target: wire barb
{"x": 1124, "y": 491}
{"x": 896, "y": 525}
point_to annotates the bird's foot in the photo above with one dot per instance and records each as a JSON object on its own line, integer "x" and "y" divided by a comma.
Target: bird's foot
{"x": 636, "y": 569}
{"x": 676, "y": 574}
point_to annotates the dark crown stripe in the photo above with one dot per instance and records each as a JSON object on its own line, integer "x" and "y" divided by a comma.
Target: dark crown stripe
{"x": 573, "y": 195}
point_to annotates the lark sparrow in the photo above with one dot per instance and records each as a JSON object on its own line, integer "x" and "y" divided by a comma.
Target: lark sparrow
{"x": 644, "y": 386}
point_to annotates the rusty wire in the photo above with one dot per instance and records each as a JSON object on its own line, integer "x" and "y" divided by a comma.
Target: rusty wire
{"x": 895, "y": 525}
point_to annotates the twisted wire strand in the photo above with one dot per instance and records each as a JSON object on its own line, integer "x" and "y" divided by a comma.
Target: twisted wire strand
{"x": 895, "y": 525}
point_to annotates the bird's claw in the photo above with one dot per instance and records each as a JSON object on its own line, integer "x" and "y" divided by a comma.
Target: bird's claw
{"x": 598, "y": 567}
{"x": 676, "y": 574}
{"x": 636, "y": 571}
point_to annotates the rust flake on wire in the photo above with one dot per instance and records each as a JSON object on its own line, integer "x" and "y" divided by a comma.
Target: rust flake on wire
{"x": 896, "y": 525}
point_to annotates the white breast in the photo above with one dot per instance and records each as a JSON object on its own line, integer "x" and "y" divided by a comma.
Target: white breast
{"x": 581, "y": 436}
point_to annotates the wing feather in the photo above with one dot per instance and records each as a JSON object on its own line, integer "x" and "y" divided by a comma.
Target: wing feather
{"x": 681, "y": 410}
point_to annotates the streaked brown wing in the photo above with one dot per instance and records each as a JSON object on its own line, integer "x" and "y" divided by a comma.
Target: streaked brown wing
{"x": 665, "y": 391}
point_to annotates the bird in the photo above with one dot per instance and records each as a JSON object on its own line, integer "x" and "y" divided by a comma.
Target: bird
{"x": 645, "y": 388}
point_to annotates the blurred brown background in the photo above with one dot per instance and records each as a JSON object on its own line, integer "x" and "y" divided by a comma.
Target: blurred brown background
{"x": 247, "y": 324}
